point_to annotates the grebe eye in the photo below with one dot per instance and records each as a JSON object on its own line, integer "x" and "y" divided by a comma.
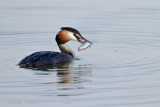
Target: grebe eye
{"x": 74, "y": 34}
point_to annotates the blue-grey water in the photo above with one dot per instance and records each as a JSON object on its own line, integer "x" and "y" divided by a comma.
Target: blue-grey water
{"x": 121, "y": 69}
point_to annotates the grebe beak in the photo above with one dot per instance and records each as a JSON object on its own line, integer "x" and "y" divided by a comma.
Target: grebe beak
{"x": 82, "y": 39}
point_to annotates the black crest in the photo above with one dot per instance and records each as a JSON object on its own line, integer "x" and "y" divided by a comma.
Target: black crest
{"x": 71, "y": 30}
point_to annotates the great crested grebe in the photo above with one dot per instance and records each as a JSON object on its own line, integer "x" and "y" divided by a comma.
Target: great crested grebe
{"x": 50, "y": 58}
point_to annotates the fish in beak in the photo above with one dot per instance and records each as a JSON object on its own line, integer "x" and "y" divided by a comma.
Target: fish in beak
{"x": 85, "y": 43}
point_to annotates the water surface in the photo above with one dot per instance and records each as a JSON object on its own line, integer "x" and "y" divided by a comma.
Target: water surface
{"x": 121, "y": 69}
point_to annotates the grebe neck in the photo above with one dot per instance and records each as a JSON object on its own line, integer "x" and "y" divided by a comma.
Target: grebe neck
{"x": 64, "y": 48}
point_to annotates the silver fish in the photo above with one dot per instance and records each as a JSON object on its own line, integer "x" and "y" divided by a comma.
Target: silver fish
{"x": 85, "y": 45}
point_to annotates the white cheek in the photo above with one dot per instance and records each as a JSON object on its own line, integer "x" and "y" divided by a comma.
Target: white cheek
{"x": 71, "y": 36}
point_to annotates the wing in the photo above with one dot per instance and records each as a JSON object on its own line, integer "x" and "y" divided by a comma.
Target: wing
{"x": 44, "y": 58}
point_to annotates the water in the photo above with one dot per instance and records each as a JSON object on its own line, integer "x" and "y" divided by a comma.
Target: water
{"x": 121, "y": 69}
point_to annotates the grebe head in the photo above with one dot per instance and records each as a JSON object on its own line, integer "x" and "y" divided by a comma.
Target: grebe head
{"x": 67, "y": 33}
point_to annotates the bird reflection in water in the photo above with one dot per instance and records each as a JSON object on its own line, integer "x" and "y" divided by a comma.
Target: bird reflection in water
{"x": 73, "y": 75}
{"x": 70, "y": 76}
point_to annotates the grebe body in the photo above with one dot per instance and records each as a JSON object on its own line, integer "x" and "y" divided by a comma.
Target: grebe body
{"x": 43, "y": 58}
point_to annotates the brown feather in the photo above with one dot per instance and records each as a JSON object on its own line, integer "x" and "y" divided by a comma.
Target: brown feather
{"x": 62, "y": 37}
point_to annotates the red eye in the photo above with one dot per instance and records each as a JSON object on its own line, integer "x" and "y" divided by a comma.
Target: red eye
{"x": 74, "y": 34}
